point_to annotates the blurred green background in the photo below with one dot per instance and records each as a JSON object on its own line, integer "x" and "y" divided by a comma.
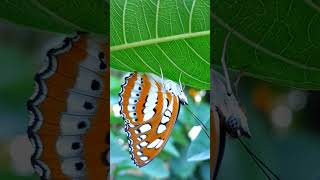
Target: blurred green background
{"x": 21, "y": 53}
{"x": 185, "y": 156}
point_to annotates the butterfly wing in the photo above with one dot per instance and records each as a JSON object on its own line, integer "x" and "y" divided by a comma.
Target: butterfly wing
{"x": 218, "y": 133}
{"x": 149, "y": 113}
{"x": 68, "y": 111}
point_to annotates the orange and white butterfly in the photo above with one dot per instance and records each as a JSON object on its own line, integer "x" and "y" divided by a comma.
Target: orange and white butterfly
{"x": 68, "y": 111}
{"x": 149, "y": 106}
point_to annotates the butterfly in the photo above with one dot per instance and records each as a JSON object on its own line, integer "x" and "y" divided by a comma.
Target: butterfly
{"x": 150, "y": 107}
{"x": 68, "y": 111}
{"x": 228, "y": 118}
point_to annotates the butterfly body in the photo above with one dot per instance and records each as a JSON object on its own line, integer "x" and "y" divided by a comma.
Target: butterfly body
{"x": 228, "y": 119}
{"x": 234, "y": 118}
{"x": 149, "y": 107}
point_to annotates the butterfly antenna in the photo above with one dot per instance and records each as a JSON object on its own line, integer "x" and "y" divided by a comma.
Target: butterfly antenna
{"x": 224, "y": 66}
{"x": 180, "y": 80}
{"x": 205, "y": 129}
{"x": 262, "y": 166}
{"x": 161, "y": 72}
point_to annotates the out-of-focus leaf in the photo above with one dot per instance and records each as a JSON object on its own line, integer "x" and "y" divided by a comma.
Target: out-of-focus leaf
{"x": 130, "y": 177}
{"x": 15, "y": 88}
{"x": 199, "y": 148}
{"x": 205, "y": 170}
{"x": 115, "y": 85}
{"x": 171, "y": 149}
{"x": 179, "y": 134}
{"x": 202, "y": 111}
{"x": 181, "y": 167}
{"x": 117, "y": 153}
{"x": 156, "y": 168}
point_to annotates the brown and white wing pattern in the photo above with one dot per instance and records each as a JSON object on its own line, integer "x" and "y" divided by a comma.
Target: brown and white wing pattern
{"x": 68, "y": 123}
{"x": 149, "y": 113}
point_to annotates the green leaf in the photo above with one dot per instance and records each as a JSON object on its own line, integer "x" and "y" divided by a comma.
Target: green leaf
{"x": 131, "y": 177}
{"x": 276, "y": 41}
{"x": 182, "y": 167}
{"x": 156, "y": 168}
{"x": 205, "y": 170}
{"x": 58, "y": 16}
{"x": 170, "y": 148}
{"x": 171, "y": 34}
{"x": 117, "y": 153}
{"x": 199, "y": 148}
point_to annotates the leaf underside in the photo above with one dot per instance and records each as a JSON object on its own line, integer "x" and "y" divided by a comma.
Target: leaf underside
{"x": 276, "y": 41}
{"x": 147, "y": 35}
{"x": 58, "y": 16}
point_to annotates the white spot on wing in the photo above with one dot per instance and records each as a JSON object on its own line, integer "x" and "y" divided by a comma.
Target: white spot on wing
{"x": 145, "y": 128}
{"x": 164, "y": 119}
{"x": 148, "y": 116}
{"x": 161, "y": 128}
{"x": 143, "y": 144}
{"x": 135, "y": 95}
{"x": 133, "y": 115}
{"x": 133, "y": 101}
{"x": 167, "y": 113}
{"x": 144, "y": 158}
{"x": 160, "y": 144}
{"x": 148, "y": 109}
{"x": 143, "y": 136}
{"x": 154, "y": 143}
{"x": 131, "y": 108}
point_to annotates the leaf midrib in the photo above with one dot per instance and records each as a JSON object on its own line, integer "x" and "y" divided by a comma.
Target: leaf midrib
{"x": 159, "y": 40}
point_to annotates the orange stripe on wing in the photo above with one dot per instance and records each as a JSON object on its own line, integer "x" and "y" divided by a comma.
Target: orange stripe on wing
{"x": 145, "y": 88}
{"x": 155, "y": 120}
{"x": 153, "y": 135}
{"x": 57, "y": 86}
{"x": 126, "y": 95}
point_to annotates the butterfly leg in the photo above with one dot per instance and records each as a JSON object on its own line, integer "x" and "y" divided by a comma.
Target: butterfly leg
{"x": 236, "y": 83}
{"x": 161, "y": 75}
{"x": 161, "y": 72}
{"x": 224, "y": 66}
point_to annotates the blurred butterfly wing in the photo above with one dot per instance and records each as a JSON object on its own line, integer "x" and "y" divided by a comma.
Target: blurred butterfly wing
{"x": 218, "y": 138}
{"x": 218, "y": 133}
{"x": 68, "y": 111}
{"x": 149, "y": 114}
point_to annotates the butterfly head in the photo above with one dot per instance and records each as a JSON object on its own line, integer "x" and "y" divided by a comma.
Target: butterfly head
{"x": 177, "y": 90}
{"x": 237, "y": 126}
{"x": 183, "y": 98}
